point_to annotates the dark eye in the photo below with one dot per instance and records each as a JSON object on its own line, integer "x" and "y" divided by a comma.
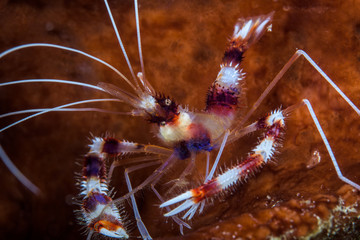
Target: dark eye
{"x": 163, "y": 123}
{"x": 167, "y": 102}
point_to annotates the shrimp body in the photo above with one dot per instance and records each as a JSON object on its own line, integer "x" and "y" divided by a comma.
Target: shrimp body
{"x": 194, "y": 132}
{"x": 188, "y": 131}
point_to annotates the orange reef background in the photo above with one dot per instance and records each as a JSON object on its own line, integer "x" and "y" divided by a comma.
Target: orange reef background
{"x": 183, "y": 43}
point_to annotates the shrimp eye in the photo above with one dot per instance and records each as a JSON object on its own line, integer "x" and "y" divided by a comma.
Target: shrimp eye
{"x": 163, "y": 123}
{"x": 167, "y": 102}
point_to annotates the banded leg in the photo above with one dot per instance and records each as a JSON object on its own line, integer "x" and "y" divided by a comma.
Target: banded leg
{"x": 260, "y": 155}
{"x": 98, "y": 212}
{"x": 115, "y": 147}
{"x": 234, "y": 135}
{"x": 109, "y": 147}
{"x": 225, "y": 95}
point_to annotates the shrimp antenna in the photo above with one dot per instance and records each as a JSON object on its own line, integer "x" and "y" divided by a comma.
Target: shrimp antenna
{"x": 143, "y": 80}
{"x": 59, "y": 107}
{"x": 122, "y": 47}
{"x": 52, "y": 81}
{"x": 63, "y": 110}
{"x": 31, "y": 45}
{"x": 11, "y": 166}
{"x": 16, "y": 172}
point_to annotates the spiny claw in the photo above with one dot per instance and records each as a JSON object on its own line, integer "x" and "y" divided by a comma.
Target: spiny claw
{"x": 177, "y": 199}
{"x": 193, "y": 199}
{"x": 188, "y": 203}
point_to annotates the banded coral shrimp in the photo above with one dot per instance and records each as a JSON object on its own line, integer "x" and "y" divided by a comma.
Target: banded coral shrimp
{"x": 208, "y": 50}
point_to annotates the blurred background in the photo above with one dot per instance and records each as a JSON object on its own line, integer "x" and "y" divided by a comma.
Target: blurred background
{"x": 183, "y": 43}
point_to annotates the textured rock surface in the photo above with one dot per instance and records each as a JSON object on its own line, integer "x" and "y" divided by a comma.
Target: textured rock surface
{"x": 183, "y": 45}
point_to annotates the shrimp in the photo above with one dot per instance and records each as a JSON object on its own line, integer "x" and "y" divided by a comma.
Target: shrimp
{"x": 206, "y": 54}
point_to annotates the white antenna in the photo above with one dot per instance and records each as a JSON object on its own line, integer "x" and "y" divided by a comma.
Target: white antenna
{"x": 144, "y": 82}
{"x": 31, "y": 45}
{"x": 121, "y": 43}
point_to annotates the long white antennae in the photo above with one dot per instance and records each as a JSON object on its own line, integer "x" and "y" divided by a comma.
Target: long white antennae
{"x": 121, "y": 45}
{"x": 136, "y": 6}
{"x": 52, "y": 81}
{"x": 16, "y": 172}
{"x": 59, "y": 107}
{"x": 145, "y": 83}
{"x": 71, "y": 50}
{"x": 63, "y": 110}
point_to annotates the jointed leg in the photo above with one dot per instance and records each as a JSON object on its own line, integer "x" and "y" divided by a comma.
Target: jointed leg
{"x": 122, "y": 162}
{"x": 207, "y": 164}
{"x": 175, "y": 218}
{"x": 89, "y": 235}
{"x": 112, "y": 147}
{"x": 327, "y": 145}
{"x": 178, "y": 181}
{"x": 141, "y": 226}
{"x": 210, "y": 175}
{"x": 234, "y": 135}
{"x": 115, "y": 147}
{"x": 286, "y": 67}
{"x": 98, "y": 211}
{"x": 152, "y": 179}
{"x": 157, "y": 174}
